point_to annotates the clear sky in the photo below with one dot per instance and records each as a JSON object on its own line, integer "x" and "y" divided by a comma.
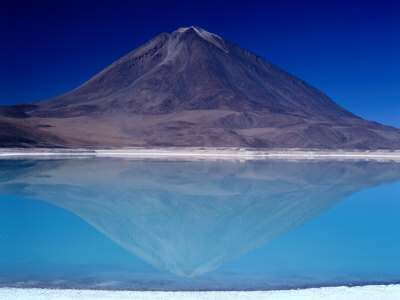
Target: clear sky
{"x": 350, "y": 50}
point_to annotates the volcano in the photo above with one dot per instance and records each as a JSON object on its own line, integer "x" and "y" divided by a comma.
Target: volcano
{"x": 192, "y": 88}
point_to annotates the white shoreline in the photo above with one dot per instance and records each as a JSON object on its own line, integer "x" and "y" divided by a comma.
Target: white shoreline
{"x": 206, "y": 153}
{"x": 376, "y": 292}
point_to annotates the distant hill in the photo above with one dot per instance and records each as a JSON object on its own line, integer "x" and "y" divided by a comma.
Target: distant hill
{"x": 192, "y": 88}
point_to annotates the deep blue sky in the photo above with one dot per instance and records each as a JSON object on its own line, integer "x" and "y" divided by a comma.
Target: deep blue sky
{"x": 348, "y": 49}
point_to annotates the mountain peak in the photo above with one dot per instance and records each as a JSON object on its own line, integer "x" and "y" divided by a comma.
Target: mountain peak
{"x": 195, "y": 31}
{"x": 190, "y": 28}
{"x": 193, "y": 88}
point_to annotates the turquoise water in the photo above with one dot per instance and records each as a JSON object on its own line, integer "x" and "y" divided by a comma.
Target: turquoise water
{"x": 176, "y": 225}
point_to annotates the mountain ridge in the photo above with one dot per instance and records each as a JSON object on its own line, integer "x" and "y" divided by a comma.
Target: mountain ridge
{"x": 193, "y": 88}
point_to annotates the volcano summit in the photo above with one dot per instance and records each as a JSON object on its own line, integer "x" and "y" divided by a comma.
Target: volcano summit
{"x": 192, "y": 88}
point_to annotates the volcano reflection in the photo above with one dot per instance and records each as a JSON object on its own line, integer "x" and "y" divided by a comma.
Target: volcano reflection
{"x": 191, "y": 217}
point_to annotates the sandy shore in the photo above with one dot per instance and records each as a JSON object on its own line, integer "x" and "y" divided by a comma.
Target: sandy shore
{"x": 376, "y": 292}
{"x": 205, "y": 153}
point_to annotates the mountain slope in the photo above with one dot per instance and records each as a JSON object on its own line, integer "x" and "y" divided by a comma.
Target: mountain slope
{"x": 192, "y": 88}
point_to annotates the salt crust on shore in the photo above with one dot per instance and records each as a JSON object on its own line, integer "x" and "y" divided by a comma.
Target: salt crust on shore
{"x": 192, "y": 153}
{"x": 375, "y": 292}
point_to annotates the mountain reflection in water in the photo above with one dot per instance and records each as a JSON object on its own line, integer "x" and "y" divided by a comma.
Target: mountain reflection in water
{"x": 191, "y": 217}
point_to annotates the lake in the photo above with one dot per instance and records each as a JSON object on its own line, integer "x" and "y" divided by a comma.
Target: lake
{"x": 109, "y": 223}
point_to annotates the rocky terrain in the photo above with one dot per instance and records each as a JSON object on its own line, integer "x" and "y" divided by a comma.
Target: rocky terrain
{"x": 192, "y": 88}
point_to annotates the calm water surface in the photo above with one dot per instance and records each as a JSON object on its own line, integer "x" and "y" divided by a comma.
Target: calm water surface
{"x": 176, "y": 225}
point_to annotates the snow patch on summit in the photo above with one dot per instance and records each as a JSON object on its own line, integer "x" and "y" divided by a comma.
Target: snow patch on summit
{"x": 208, "y": 36}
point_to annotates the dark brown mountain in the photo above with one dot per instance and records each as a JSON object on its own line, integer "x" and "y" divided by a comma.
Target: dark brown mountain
{"x": 192, "y": 88}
